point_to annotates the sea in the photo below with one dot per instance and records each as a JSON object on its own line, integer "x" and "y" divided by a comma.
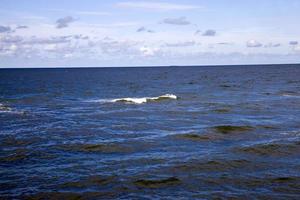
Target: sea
{"x": 180, "y": 132}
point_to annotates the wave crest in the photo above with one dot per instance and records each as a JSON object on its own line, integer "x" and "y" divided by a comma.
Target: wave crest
{"x": 4, "y": 108}
{"x": 139, "y": 100}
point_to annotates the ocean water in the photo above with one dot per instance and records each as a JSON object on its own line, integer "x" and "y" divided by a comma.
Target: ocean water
{"x": 150, "y": 133}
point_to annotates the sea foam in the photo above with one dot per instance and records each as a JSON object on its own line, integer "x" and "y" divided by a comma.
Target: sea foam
{"x": 138, "y": 100}
{"x": 4, "y": 108}
{"x": 8, "y": 110}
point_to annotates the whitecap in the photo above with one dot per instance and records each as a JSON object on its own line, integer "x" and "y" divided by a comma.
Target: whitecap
{"x": 290, "y": 94}
{"x": 4, "y": 108}
{"x": 9, "y": 110}
{"x": 137, "y": 100}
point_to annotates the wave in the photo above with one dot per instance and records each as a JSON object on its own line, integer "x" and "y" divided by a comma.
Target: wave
{"x": 8, "y": 110}
{"x": 4, "y": 108}
{"x": 138, "y": 100}
{"x": 289, "y": 94}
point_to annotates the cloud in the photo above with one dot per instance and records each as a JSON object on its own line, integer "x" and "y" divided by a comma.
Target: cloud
{"x": 271, "y": 45}
{"x": 45, "y": 47}
{"x": 8, "y": 50}
{"x": 182, "y": 44}
{"x": 158, "y": 6}
{"x": 112, "y": 47}
{"x": 197, "y": 32}
{"x": 209, "y": 32}
{"x": 147, "y": 51}
{"x": 141, "y": 29}
{"x": 225, "y": 43}
{"x": 10, "y": 44}
{"x": 4, "y": 29}
{"x": 51, "y": 40}
{"x": 297, "y": 49}
{"x": 253, "y": 44}
{"x": 22, "y": 27}
{"x": 176, "y": 21}
{"x": 9, "y": 39}
{"x": 64, "y": 22}
{"x": 37, "y": 42}
{"x": 256, "y": 44}
{"x": 144, "y": 29}
{"x": 293, "y": 43}
{"x": 80, "y": 37}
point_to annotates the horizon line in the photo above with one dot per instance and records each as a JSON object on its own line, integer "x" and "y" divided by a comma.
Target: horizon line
{"x": 148, "y": 66}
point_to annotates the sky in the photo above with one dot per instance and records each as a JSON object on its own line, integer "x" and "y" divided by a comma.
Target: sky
{"x": 109, "y": 33}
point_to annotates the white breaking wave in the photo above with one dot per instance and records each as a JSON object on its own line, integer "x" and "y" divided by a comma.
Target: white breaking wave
{"x": 138, "y": 100}
{"x": 8, "y": 110}
{"x": 4, "y": 108}
{"x": 290, "y": 94}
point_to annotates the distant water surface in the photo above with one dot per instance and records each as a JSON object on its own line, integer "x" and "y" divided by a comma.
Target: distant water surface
{"x": 150, "y": 133}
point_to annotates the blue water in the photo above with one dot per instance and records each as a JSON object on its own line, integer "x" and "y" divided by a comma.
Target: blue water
{"x": 232, "y": 132}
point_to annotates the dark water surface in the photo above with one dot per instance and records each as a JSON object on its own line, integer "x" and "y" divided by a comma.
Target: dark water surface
{"x": 233, "y": 132}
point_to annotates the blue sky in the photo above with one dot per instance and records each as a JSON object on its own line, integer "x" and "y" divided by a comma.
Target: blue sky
{"x": 67, "y": 33}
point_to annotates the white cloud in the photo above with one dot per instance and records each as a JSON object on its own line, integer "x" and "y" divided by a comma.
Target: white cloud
{"x": 293, "y": 43}
{"x": 297, "y": 48}
{"x": 182, "y": 44}
{"x": 271, "y": 45}
{"x": 159, "y": 6}
{"x": 13, "y": 47}
{"x": 209, "y": 32}
{"x": 225, "y": 43}
{"x": 68, "y": 55}
{"x": 111, "y": 47}
{"x": 9, "y": 39}
{"x": 197, "y": 32}
{"x": 147, "y": 51}
{"x": 50, "y": 40}
{"x": 64, "y": 22}
{"x": 144, "y": 29}
{"x": 50, "y": 47}
{"x": 4, "y": 29}
{"x": 176, "y": 21}
{"x": 253, "y": 43}
{"x": 21, "y": 27}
